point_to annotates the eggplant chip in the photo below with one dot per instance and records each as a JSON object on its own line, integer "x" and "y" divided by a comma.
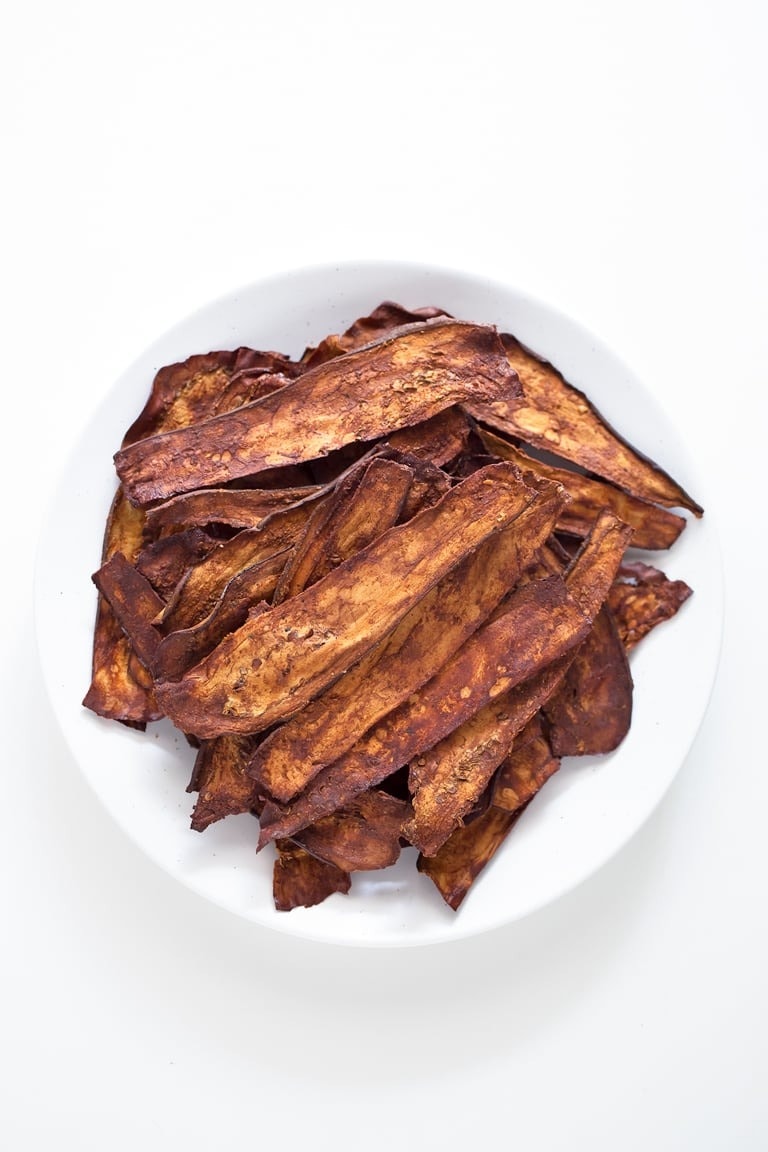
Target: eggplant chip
{"x": 591, "y": 711}
{"x": 643, "y": 597}
{"x": 554, "y": 416}
{"x": 300, "y": 880}
{"x": 406, "y": 377}
{"x": 652, "y": 527}
{"x": 220, "y": 780}
{"x": 364, "y": 835}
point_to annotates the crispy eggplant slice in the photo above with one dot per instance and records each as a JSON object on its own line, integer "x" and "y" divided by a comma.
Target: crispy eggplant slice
{"x": 593, "y": 569}
{"x": 235, "y": 507}
{"x": 361, "y": 836}
{"x": 187, "y": 392}
{"x": 554, "y": 416}
{"x": 277, "y": 662}
{"x": 454, "y": 869}
{"x": 166, "y": 562}
{"x": 301, "y": 881}
{"x": 134, "y": 603}
{"x": 448, "y": 779}
{"x": 652, "y": 527}
{"x": 199, "y": 592}
{"x": 440, "y": 439}
{"x": 406, "y": 377}
{"x": 386, "y": 317}
{"x": 366, "y": 502}
{"x": 539, "y": 624}
{"x": 526, "y": 769}
{"x": 117, "y": 690}
{"x": 591, "y": 711}
{"x": 219, "y": 779}
{"x": 247, "y": 592}
{"x": 642, "y": 597}
{"x": 425, "y": 640}
{"x": 250, "y": 384}
{"x": 429, "y": 483}
{"x": 114, "y": 692}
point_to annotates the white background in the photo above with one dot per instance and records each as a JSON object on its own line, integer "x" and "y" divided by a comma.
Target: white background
{"x": 606, "y": 157}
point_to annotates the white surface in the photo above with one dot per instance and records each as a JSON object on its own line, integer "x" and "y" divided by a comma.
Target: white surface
{"x": 607, "y": 158}
{"x": 593, "y": 805}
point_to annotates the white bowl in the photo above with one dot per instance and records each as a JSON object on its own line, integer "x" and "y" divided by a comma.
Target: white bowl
{"x": 586, "y": 812}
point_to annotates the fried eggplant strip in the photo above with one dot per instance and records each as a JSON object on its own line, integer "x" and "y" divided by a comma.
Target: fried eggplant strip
{"x": 652, "y": 527}
{"x": 428, "y": 482}
{"x": 469, "y": 848}
{"x": 406, "y": 377}
{"x": 187, "y": 392}
{"x": 448, "y": 779}
{"x": 277, "y": 662}
{"x": 386, "y": 317}
{"x": 591, "y": 711}
{"x": 300, "y": 880}
{"x": 235, "y": 507}
{"x": 554, "y": 416}
{"x": 643, "y": 597}
{"x": 541, "y": 622}
{"x": 199, "y": 592}
{"x": 526, "y": 769}
{"x": 219, "y": 779}
{"x": 466, "y": 853}
{"x": 365, "y": 503}
{"x": 245, "y": 593}
{"x": 363, "y": 835}
{"x": 166, "y": 562}
{"x": 134, "y": 603}
{"x": 114, "y": 692}
{"x": 440, "y": 439}
{"x": 425, "y": 640}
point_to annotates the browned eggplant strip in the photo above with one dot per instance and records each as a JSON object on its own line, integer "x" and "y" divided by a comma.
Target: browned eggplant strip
{"x": 386, "y": 317}
{"x": 466, "y": 853}
{"x": 300, "y": 880}
{"x": 554, "y": 416}
{"x": 219, "y": 779}
{"x": 134, "y": 603}
{"x": 361, "y": 836}
{"x": 593, "y": 569}
{"x": 440, "y": 439}
{"x": 652, "y": 527}
{"x": 199, "y": 592}
{"x": 540, "y": 623}
{"x": 250, "y": 384}
{"x": 643, "y": 597}
{"x": 591, "y": 711}
{"x": 187, "y": 392}
{"x": 425, "y": 640}
{"x": 448, "y": 779}
{"x": 246, "y": 592}
{"x": 114, "y": 692}
{"x": 365, "y": 503}
{"x": 428, "y": 482}
{"x": 235, "y": 507}
{"x": 277, "y": 662}
{"x": 166, "y": 562}
{"x": 469, "y": 848}
{"x": 526, "y": 769}
{"x": 406, "y": 377}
